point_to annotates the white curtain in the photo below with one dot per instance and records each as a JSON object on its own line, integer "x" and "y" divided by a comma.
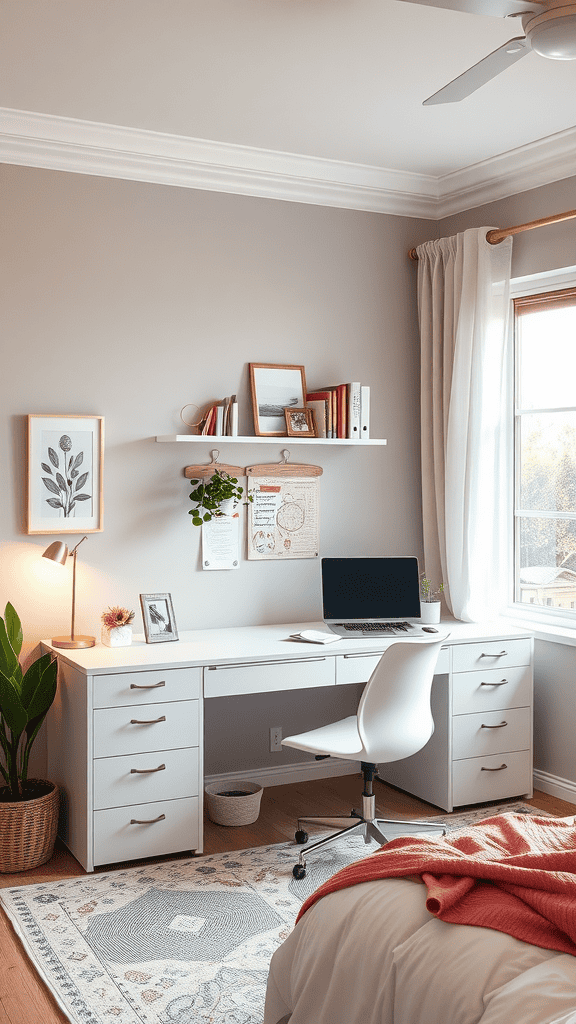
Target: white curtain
{"x": 463, "y": 308}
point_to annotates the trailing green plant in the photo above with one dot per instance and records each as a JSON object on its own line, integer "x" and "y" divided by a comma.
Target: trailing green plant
{"x": 427, "y": 591}
{"x": 210, "y": 494}
{"x": 25, "y": 699}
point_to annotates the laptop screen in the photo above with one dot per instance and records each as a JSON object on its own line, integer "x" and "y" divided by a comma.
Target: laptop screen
{"x": 370, "y": 588}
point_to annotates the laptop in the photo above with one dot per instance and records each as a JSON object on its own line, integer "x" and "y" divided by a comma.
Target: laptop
{"x": 378, "y": 596}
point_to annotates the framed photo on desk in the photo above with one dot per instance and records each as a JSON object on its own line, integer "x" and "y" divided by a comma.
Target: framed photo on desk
{"x": 158, "y": 618}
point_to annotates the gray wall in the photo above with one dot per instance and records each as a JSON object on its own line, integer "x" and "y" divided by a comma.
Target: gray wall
{"x": 129, "y": 300}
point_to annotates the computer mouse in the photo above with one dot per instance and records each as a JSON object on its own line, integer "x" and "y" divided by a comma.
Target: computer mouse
{"x": 429, "y": 629}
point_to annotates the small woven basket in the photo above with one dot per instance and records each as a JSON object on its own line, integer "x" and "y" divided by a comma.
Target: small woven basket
{"x": 28, "y": 830}
{"x": 233, "y": 804}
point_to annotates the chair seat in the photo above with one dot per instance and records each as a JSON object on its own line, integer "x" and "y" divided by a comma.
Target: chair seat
{"x": 340, "y": 739}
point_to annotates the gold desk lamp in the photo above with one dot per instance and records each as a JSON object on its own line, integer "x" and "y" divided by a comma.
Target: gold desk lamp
{"x": 58, "y": 552}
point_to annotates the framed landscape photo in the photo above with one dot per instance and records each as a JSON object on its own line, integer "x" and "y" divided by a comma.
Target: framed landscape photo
{"x": 65, "y": 474}
{"x": 300, "y": 422}
{"x": 275, "y": 388}
{"x": 158, "y": 618}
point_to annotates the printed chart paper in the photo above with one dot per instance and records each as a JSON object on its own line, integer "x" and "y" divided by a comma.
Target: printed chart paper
{"x": 283, "y": 518}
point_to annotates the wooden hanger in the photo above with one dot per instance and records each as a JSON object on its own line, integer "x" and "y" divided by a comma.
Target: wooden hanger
{"x": 284, "y": 469}
{"x": 208, "y": 469}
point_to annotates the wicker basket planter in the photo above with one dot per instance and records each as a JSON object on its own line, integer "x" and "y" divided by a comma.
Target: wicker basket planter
{"x": 238, "y": 806}
{"x": 28, "y": 829}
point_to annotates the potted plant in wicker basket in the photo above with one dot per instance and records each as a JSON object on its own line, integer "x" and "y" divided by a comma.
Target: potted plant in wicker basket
{"x": 28, "y": 807}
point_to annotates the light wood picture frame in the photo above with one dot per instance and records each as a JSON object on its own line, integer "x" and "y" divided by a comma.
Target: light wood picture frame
{"x": 158, "y": 618}
{"x": 65, "y": 473}
{"x": 275, "y": 387}
{"x": 300, "y": 422}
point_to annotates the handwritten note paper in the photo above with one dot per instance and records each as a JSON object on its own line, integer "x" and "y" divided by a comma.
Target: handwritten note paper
{"x": 221, "y": 543}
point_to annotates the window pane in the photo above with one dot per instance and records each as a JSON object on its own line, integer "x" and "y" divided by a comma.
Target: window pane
{"x": 547, "y": 359}
{"x": 547, "y": 574}
{"x": 548, "y": 461}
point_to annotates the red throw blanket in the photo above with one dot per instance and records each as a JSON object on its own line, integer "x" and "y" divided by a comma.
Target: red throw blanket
{"x": 514, "y": 873}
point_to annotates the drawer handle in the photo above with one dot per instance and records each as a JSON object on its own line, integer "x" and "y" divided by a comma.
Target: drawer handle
{"x": 501, "y": 683}
{"x": 150, "y": 721}
{"x": 147, "y": 771}
{"x": 501, "y": 655}
{"x": 151, "y": 821}
{"x": 501, "y": 726}
{"x": 494, "y": 769}
{"x": 265, "y": 664}
{"x": 147, "y": 686}
{"x": 378, "y": 654}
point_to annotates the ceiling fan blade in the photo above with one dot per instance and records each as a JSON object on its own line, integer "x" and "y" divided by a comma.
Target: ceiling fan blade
{"x": 495, "y": 8}
{"x": 481, "y": 72}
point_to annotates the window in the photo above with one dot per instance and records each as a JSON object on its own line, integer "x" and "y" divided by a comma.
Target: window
{"x": 545, "y": 451}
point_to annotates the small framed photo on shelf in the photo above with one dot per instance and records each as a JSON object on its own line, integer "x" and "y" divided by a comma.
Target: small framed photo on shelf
{"x": 65, "y": 473}
{"x": 275, "y": 388}
{"x": 300, "y": 423}
{"x": 158, "y": 618}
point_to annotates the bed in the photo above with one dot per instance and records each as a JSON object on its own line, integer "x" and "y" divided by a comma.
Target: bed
{"x": 372, "y": 953}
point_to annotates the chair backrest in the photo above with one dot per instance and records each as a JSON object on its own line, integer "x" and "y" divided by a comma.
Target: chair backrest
{"x": 394, "y": 716}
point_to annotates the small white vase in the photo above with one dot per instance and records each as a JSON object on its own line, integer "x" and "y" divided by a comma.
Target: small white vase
{"x": 430, "y": 611}
{"x": 116, "y": 636}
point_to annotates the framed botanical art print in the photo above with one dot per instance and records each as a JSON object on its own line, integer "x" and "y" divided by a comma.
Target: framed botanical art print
{"x": 65, "y": 474}
{"x": 275, "y": 388}
{"x": 158, "y": 618}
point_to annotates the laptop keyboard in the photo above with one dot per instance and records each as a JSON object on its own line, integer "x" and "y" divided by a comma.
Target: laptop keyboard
{"x": 378, "y": 627}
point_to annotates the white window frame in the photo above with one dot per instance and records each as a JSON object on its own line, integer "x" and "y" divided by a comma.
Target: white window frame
{"x": 546, "y": 623}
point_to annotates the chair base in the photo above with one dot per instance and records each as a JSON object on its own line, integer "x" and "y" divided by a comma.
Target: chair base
{"x": 366, "y": 826}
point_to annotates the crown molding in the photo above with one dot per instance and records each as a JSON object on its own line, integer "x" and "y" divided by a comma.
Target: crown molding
{"x": 87, "y": 147}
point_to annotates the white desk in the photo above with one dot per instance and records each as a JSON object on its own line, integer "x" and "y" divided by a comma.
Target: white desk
{"x": 125, "y": 733}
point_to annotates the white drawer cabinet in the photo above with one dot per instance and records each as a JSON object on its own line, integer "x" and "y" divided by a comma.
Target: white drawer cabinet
{"x": 481, "y": 749}
{"x": 126, "y": 751}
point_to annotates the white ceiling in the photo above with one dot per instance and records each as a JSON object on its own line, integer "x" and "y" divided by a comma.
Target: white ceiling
{"x": 339, "y": 80}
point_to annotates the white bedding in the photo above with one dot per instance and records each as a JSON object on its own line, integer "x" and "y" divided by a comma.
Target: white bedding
{"x": 372, "y": 954}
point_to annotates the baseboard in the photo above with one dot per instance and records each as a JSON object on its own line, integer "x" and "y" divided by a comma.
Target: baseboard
{"x": 283, "y": 775}
{"x": 564, "y": 789}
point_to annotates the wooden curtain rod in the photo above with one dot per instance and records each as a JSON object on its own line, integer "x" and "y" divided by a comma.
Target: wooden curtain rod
{"x": 497, "y": 235}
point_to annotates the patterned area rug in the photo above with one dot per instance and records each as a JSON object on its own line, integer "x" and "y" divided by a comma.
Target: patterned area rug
{"x": 181, "y": 942}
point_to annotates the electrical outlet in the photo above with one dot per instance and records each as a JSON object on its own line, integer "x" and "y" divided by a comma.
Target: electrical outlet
{"x": 275, "y": 737}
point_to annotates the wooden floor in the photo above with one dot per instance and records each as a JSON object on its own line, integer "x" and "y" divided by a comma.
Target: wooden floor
{"x": 23, "y": 997}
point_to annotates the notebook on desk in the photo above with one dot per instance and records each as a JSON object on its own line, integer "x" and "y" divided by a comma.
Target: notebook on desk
{"x": 378, "y": 596}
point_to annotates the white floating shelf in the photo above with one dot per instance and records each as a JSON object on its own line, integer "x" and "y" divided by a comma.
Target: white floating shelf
{"x": 281, "y": 439}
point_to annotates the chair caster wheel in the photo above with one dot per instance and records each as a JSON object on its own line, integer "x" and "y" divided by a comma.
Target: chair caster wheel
{"x": 301, "y": 836}
{"x": 299, "y": 871}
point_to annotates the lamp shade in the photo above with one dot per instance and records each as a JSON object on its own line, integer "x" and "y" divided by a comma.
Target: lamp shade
{"x": 57, "y": 552}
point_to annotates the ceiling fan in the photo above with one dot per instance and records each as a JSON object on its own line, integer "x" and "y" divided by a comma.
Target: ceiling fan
{"x": 549, "y": 29}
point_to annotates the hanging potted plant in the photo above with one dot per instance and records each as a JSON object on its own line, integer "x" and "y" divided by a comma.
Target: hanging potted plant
{"x": 28, "y": 807}
{"x": 218, "y": 496}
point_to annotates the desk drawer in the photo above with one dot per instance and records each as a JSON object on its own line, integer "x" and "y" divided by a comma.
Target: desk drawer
{"x": 263, "y": 677}
{"x": 140, "y": 778}
{"x": 492, "y": 689}
{"x": 490, "y": 654}
{"x": 145, "y": 727}
{"x": 170, "y": 826}
{"x": 480, "y": 779}
{"x": 490, "y": 732}
{"x": 357, "y": 668}
{"x": 125, "y": 688}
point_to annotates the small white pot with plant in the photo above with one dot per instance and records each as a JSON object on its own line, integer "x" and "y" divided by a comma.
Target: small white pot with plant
{"x": 430, "y": 600}
{"x": 218, "y": 496}
{"x": 117, "y": 627}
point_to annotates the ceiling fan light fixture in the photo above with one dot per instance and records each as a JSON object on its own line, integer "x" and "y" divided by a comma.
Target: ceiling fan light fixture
{"x": 553, "y": 33}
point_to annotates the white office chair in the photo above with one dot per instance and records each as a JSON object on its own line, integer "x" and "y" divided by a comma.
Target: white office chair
{"x": 393, "y": 721}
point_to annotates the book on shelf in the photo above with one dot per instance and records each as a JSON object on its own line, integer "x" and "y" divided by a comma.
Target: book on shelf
{"x": 347, "y": 409}
{"x": 318, "y": 407}
{"x": 221, "y": 419}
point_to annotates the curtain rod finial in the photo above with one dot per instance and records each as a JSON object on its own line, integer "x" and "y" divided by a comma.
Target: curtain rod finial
{"x": 413, "y": 255}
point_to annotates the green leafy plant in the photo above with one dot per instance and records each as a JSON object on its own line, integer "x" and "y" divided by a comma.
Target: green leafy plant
{"x": 209, "y": 496}
{"x": 427, "y": 591}
{"x": 25, "y": 698}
